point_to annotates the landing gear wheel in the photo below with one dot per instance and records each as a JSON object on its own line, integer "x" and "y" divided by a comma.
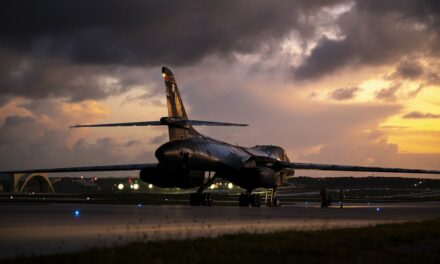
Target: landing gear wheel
{"x": 276, "y": 202}
{"x": 255, "y": 200}
{"x": 243, "y": 200}
{"x": 198, "y": 199}
{"x": 211, "y": 201}
{"x": 247, "y": 199}
{"x": 194, "y": 199}
{"x": 206, "y": 199}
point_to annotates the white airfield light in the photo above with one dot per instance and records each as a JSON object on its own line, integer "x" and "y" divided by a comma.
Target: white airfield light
{"x": 120, "y": 186}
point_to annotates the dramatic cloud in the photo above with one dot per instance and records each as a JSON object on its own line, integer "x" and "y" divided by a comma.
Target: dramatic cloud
{"x": 425, "y": 73}
{"x": 420, "y": 115}
{"x": 374, "y": 33}
{"x": 258, "y": 62}
{"x": 344, "y": 93}
{"x": 369, "y": 150}
{"x": 78, "y": 50}
{"x": 388, "y": 94}
{"x": 40, "y": 78}
{"x": 26, "y": 142}
{"x": 409, "y": 70}
{"x": 149, "y": 32}
{"x": 29, "y": 142}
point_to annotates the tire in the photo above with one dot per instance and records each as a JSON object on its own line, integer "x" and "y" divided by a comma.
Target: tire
{"x": 254, "y": 200}
{"x": 258, "y": 202}
{"x": 243, "y": 200}
{"x": 210, "y": 200}
{"x": 194, "y": 199}
{"x": 206, "y": 199}
{"x": 276, "y": 202}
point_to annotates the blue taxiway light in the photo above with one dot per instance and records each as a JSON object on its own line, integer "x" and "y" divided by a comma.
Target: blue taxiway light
{"x": 139, "y": 205}
{"x": 378, "y": 209}
{"x": 76, "y": 213}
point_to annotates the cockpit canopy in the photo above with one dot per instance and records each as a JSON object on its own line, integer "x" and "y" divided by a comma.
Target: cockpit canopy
{"x": 275, "y": 152}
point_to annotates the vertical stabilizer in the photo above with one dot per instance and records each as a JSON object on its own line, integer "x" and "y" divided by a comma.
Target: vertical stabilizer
{"x": 175, "y": 107}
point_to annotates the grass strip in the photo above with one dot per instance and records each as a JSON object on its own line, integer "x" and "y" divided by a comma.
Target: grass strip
{"x": 411, "y": 242}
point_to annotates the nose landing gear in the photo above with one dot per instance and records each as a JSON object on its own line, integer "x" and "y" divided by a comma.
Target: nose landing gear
{"x": 271, "y": 198}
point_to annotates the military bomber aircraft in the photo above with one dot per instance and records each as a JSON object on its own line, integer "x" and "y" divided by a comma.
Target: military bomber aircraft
{"x": 191, "y": 160}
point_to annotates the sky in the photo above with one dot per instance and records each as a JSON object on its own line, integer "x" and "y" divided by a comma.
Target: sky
{"x": 343, "y": 82}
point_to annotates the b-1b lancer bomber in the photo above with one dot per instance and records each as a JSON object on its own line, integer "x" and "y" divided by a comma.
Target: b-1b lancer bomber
{"x": 191, "y": 160}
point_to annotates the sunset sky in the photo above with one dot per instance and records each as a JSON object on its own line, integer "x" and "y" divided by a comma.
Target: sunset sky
{"x": 344, "y": 82}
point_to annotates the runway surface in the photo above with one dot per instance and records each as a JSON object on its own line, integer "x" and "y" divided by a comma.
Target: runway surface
{"x": 54, "y": 228}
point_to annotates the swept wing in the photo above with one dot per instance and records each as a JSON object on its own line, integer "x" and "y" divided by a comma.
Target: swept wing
{"x": 334, "y": 167}
{"x": 89, "y": 168}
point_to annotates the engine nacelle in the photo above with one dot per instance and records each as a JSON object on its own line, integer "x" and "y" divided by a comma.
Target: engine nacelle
{"x": 268, "y": 178}
{"x": 257, "y": 177}
{"x": 172, "y": 178}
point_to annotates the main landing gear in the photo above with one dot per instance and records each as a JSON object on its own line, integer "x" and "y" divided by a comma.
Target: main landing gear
{"x": 200, "y": 199}
{"x": 248, "y": 199}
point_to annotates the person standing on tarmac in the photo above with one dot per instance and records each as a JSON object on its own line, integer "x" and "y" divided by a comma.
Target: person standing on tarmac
{"x": 323, "y": 194}
{"x": 341, "y": 198}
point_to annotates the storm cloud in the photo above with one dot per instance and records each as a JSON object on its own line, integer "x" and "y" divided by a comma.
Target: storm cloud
{"x": 389, "y": 93}
{"x": 149, "y": 32}
{"x": 27, "y": 142}
{"x": 410, "y": 70}
{"x": 70, "y": 49}
{"x": 344, "y": 93}
{"x": 69, "y": 62}
{"x": 67, "y": 49}
{"x": 374, "y": 33}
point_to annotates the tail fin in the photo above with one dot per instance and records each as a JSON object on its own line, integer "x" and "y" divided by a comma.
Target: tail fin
{"x": 176, "y": 108}
{"x": 179, "y": 126}
{"x": 174, "y": 101}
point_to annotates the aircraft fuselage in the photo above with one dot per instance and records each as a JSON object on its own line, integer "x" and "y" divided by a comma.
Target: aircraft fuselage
{"x": 235, "y": 163}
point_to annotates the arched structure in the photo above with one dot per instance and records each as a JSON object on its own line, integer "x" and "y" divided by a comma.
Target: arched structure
{"x": 31, "y": 182}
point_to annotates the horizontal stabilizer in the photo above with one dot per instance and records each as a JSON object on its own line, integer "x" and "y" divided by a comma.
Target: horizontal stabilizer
{"x": 145, "y": 123}
{"x": 165, "y": 121}
{"x": 211, "y": 123}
